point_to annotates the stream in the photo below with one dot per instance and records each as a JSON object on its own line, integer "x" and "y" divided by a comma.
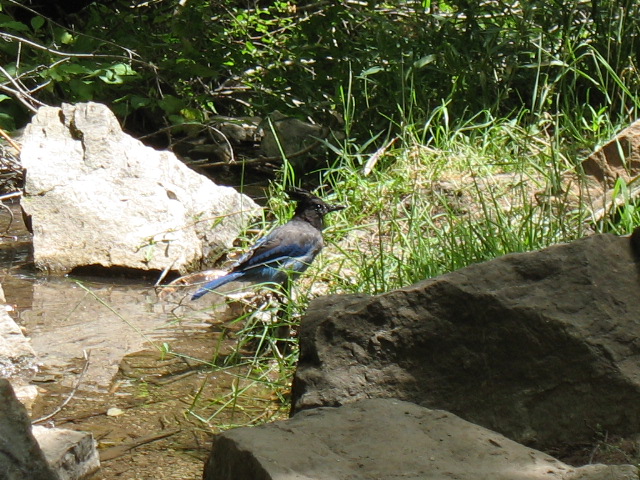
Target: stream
{"x": 64, "y": 317}
{"x": 103, "y": 343}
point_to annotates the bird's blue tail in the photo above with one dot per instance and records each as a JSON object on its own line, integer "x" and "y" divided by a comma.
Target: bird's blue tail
{"x": 218, "y": 282}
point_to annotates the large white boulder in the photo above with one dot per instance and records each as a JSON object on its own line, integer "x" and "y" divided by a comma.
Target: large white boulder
{"x": 96, "y": 196}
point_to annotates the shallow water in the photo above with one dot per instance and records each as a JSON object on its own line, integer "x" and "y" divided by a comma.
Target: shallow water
{"x": 166, "y": 405}
{"x": 65, "y": 317}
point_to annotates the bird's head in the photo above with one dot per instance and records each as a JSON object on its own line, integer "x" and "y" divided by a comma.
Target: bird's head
{"x": 311, "y": 207}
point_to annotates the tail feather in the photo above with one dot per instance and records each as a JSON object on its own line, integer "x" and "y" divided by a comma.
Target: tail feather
{"x": 218, "y": 282}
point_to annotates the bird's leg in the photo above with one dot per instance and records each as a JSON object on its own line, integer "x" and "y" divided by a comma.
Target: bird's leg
{"x": 283, "y": 317}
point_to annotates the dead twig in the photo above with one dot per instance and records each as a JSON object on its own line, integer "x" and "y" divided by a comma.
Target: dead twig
{"x": 11, "y": 218}
{"x": 263, "y": 159}
{"x": 11, "y": 141}
{"x": 373, "y": 160}
{"x": 164, "y": 273}
{"x": 7, "y": 196}
{"x": 15, "y": 38}
{"x": 19, "y": 91}
{"x": 75, "y": 32}
{"x": 119, "y": 450}
{"x": 87, "y": 357}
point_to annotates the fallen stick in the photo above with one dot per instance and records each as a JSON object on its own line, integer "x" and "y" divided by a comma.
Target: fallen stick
{"x": 118, "y": 451}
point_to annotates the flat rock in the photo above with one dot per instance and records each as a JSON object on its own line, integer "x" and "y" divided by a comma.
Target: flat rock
{"x": 18, "y": 360}
{"x": 618, "y": 158}
{"x": 96, "y": 196}
{"x": 73, "y": 455}
{"x": 385, "y": 439}
{"x": 543, "y": 347}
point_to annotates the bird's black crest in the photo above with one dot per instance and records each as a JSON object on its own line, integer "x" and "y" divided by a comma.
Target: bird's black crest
{"x": 300, "y": 194}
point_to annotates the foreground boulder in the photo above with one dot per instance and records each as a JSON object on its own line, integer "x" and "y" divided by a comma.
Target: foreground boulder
{"x": 96, "y": 196}
{"x": 542, "y": 347}
{"x": 383, "y": 439}
{"x": 20, "y": 455}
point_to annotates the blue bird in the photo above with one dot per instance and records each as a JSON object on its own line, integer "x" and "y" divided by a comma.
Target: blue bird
{"x": 284, "y": 253}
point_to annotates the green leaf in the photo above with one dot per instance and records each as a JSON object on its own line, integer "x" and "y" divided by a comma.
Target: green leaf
{"x": 192, "y": 114}
{"x": 200, "y": 70}
{"x": 66, "y": 38}
{"x": 176, "y": 119}
{"x": 122, "y": 69}
{"x": 171, "y": 104}
{"x": 109, "y": 77}
{"x": 136, "y": 101}
{"x": 16, "y": 26}
{"x": 7, "y": 122}
{"x": 37, "y": 23}
{"x": 371, "y": 71}
{"x": 424, "y": 61}
{"x": 83, "y": 89}
{"x": 73, "y": 68}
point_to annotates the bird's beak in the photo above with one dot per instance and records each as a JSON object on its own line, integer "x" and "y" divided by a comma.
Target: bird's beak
{"x": 334, "y": 208}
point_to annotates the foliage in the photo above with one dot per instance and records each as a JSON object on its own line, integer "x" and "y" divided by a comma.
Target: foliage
{"x": 166, "y": 62}
{"x": 623, "y": 215}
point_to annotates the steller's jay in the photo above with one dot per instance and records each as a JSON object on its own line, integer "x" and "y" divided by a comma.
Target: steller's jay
{"x": 284, "y": 253}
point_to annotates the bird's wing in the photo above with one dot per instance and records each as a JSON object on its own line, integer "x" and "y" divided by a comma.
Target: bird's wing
{"x": 283, "y": 243}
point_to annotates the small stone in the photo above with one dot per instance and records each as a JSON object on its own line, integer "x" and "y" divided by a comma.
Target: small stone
{"x": 73, "y": 455}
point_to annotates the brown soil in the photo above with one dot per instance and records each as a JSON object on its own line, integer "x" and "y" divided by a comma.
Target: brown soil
{"x": 155, "y": 434}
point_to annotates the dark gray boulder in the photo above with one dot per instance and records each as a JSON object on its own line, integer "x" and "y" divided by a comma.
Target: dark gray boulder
{"x": 385, "y": 439}
{"x": 20, "y": 455}
{"x": 543, "y": 347}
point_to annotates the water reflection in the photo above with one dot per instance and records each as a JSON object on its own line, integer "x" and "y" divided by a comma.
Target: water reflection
{"x": 65, "y": 316}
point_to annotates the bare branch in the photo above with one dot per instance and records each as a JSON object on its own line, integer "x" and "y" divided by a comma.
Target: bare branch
{"x": 20, "y": 92}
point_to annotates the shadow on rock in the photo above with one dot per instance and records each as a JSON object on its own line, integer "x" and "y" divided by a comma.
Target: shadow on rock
{"x": 542, "y": 347}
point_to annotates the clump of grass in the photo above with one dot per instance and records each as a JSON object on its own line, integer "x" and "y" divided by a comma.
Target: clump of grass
{"x": 430, "y": 207}
{"x": 430, "y": 195}
{"x": 623, "y": 213}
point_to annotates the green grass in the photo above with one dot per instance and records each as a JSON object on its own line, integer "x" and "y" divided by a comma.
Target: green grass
{"x": 429, "y": 206}
{"x": 426, "y": 208}
{"x": 433, "y": 193}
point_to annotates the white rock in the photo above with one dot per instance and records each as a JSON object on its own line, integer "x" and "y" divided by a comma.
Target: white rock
{"x": 18, "y": 360}
{"x": 97, "y": 196}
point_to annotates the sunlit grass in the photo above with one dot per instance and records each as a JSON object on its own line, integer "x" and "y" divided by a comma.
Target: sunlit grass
{"x": 427, "y": 207}
{"x": 428, "y": 196}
